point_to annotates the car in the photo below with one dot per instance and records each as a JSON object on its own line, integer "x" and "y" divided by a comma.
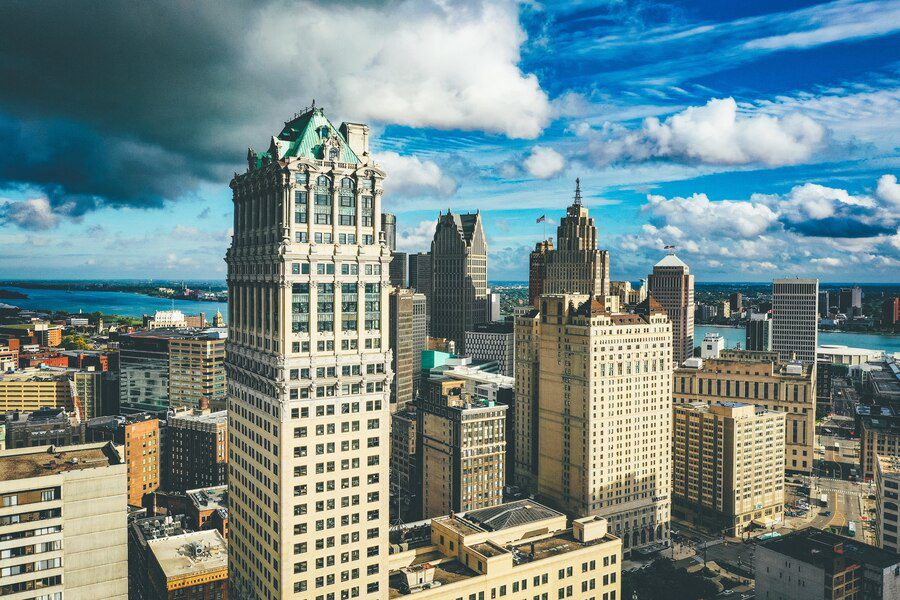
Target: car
{"x": 827, "y": 513}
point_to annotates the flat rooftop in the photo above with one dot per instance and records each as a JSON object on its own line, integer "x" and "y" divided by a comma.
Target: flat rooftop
{"x": 37, "y": 374}
{"x": 209, "y": 498}
{"x": 216, "y": 417}
{"x": 814, "y": 546}
{"x": 447, "y": 572}
{"x": 179, "y": 333}
{"x": 192, "y": 553}
{"x": 549, "y": 547}
{"x": 38, "y": 462}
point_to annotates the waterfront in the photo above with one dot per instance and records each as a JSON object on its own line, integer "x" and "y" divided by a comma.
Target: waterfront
{"x": 874, "y": 341}
{"x": 125, "y": 304}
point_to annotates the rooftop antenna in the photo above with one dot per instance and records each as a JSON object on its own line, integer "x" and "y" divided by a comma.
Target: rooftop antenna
{"x": 577, "y": 191}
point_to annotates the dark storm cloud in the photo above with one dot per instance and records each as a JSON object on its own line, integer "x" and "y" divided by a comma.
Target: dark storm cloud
{"x": 839, "y": 227}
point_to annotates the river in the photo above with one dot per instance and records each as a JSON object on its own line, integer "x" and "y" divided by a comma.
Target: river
{"x": 869, "y": 341}
{"x": 126, "y": 304}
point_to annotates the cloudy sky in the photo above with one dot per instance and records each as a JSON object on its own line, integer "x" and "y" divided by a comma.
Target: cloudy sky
{"x": 760, "y": 138}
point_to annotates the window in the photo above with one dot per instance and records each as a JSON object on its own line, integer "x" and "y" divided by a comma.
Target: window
{"x": 347, "y": 200}
{"x": 300, "y": 207}
{"x": 323, "y": 201}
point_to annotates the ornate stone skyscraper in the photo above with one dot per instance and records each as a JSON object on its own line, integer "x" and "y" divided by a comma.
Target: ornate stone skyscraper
{"x": 576, "y": 266}
{"x": 308, "y": 369}
{"x": 672, "y": 285}
{"x": 458, "y": 298}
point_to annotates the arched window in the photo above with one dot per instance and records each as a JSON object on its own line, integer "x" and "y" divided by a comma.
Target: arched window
{"x": 323, "y": 200}
{"x": 347, "y": 203}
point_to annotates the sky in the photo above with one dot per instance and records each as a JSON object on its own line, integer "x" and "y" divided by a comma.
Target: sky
{"x": 759, "y": 138}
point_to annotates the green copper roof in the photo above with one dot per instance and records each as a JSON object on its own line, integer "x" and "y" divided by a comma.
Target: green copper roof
{"x": 306, "y": 135}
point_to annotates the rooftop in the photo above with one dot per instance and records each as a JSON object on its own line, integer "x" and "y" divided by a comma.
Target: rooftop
{"x": 198, "y": 416}
{"x": 25, "y": 463}
{"x": 670, "y": 260}
{"x": 37, "y": 374}
{"x": 181, "y": 333}
{"x": 446, "y": 572}
{"x": 190, "y": 553}
{"x": 814, "y": 546}
{"x": 493, "y": 327}
{"x": 209, "y": 498}
{"x": 504, "y": 516}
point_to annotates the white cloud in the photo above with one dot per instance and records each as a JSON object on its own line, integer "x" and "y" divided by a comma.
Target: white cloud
{"x": 416, "y": 239}
{"x": 698, "y": 216}
{"x": 888, "y": 189}
{"x": 409, "y": 176}
{"x": 544, "y": 162}
{"x": 814, "y": 201}
{"x": 827, "y": 262}
{"x": 34, "y": 213}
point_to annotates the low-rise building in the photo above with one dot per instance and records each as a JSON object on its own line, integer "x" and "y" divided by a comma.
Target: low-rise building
{"x": 728, "y": 465}
{"x": 812, "y": 564}
{"x": 44, "y": 427}
{"x": 140, "y": 559}
{"x": 520, "y": 549}
{"x": 141, "y": 437}
{"x": 887, "y": 502}
{"x": 208, "y": 509}
{"x": 63, "y": 523}
{"x": 190, "y": 565}
{"x": 33, "y": 388}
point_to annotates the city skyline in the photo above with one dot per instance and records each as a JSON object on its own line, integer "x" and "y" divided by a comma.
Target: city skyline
{"x": 757, "y": 139}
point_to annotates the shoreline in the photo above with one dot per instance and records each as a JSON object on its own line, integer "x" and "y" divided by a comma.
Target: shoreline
{"x": 840, "y": 331}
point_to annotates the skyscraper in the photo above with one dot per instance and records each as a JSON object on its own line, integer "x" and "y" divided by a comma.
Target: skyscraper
{"x": 397, "y": 270}
{"x": 401, "y": 344}
{"x": 537, "y": 264}
{"x": 458, "y": 299}
{"x": 672, "y": 285}
{"x": 605, "y": 414}
{"x": 309, "y": 375}
{"x": 758, "y": 333}
{"x": 389, "y": 228}
{"x": 576, "y": 266}
{"x": 795, "y": 325}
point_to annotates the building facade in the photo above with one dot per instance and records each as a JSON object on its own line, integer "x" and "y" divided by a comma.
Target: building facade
{"x": 795, "y": 323}
{"x": 527, "y": 391}
{"x": 63, "y": 523}
{"x": 458, "y": 298}
{"x": 198, "y": 449}
{"x": 493, "y": 341}
{"x": 672, "y": 285}
{"x": 405, "y": 482}
{"x": 728, "y": 465}
{"x": 308, "y": 368}
{"x": 420, "y": 277}
{"x": 189, "y": 565}
{"x": 887, "y": 503}
{"x": 537, "y": 265}
{"x": 758, "y": 379}
{"x": 403, "y": 362}
{"x": 604, "y": 418}
{"x": 758, "y": 333}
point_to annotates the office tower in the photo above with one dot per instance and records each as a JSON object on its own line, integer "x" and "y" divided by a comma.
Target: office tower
{"x": 63, "y": 523}
{"x": 576, "y": 266}
{"x": 604, "y": 420}
{"x": 308, "y": 369}
{"x": 420, "y": 278}
{"x": 725, "y": 309}
{"x": 32, "y": 388}
{"x": 198, "y": 448}
{"x": 462, "y": 449}
{"x": 141, "y": 436}
{"x": 814, "y": 564}
{"x": 758, "y": 333}
{"x": 728, "y": 465}
{"x": 189, "y": 565}
{"x": 736, "y": 302}
{"x": 493, "y": 341}
{"x": 389, "y": 229}
{"x": 403, "y": 361}
{"x": 405, "y": 482}
{"x": 419, "y": 336}
{"x": 879, "y": 435}
{"x": 712, "y": 345}
{"x": 708, "y": 313}
{"x": 672, "y": 285}
{"x": 795, "y": 327}
{"x": 458, "y": 298}
{"x": 887, "y": 508}
{"x": 397, "y": 270}
{"x": 492, "y": 307}
{"x": 516, "y": 547}
{"x": 824, "y": 304}
{"x": 44, "y": 427}
{"x": 758, "y": 378}
{"x": 537, "y": 264}
{"x": 527, "y": 331}
{"x": 850, "y": 301}
{"x": 161, "y": 369}
{"x": 890, "y": 312}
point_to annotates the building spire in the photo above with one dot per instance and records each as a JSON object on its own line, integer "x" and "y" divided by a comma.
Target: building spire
{"x": 578, "y": 191}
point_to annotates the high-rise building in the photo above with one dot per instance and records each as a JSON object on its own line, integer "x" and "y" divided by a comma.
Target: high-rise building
{"x": 890, "y": 312}
{"x": 850, "y": 301}
{"x": 628, "y": 295}
{"x": 397, "y": 270}
{"x": 527, "y": 332}
{"x": 419, "y": 336}
{"x": 63, "y": 523}
{"x": 537, "y": 264}
{"x": 405, "y": 483}
{"x": 33, "y": 388}
{"x": 141, "y": 436}
{"x": 728, "y": 465}
{"x": 161, "y": 369}
{"x": 887, "y": 503}
{"x": 389, "y": 229}
{"x": 672, "y": 285}
{"x": 795, "y": 326}
{"x": 308, "y": 368}
{"x": 576, "y": 266}
{"x": 725, "y": 309}
{"x": 758, "y": 333}
{"x": 458, "y": 298}
{"x": 511, "y": 550}
{"x": 879, "y": 435}
{"x": 813, "y": 564}
{"x": 758, "y": 378}
{"x": 420, "y": 272}
{"x": 198, "y": 449}
{"x": 403, "y": 360}
{"x": 736, "y": 302}
{"x": 824, "y": 305}
{"x": 462, "y": 449}
{"x": 604, "y": 418}
{"x": 492, "y": 308}
{"x": 493, "y": 341}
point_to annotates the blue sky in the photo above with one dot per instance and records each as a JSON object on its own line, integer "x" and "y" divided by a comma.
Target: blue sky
{"x": 759, "y": 138}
